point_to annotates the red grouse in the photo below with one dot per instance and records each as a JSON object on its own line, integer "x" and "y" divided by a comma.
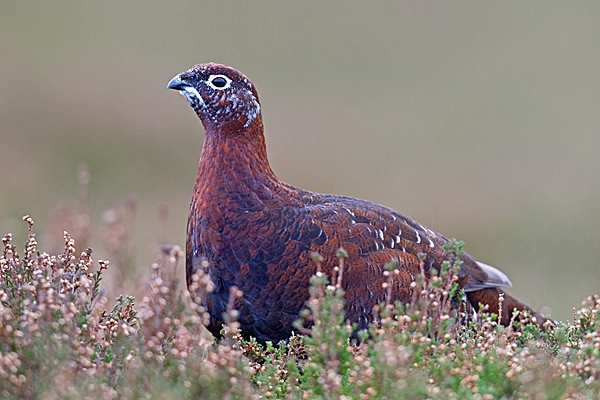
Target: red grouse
{"x": 258, "y": 233}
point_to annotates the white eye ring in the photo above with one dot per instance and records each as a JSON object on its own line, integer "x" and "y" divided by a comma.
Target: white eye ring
{"x": 219, "y": 79}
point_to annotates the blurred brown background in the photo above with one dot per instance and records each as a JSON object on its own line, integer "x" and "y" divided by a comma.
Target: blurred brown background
{"x": 478, "y": 120}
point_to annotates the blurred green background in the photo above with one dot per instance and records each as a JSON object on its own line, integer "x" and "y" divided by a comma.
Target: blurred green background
{"x": 480, "y": 120}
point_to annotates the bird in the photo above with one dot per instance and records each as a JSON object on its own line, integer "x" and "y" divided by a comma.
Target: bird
{"x": 248, "y": 229}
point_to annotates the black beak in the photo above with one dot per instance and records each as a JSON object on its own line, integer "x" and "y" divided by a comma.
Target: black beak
{"x": 177, "y": 84}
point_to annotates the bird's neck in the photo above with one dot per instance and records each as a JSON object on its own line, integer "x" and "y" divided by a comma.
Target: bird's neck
{"x": 235, "y": 162}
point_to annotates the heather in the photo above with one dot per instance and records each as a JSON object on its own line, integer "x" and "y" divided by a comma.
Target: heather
{"x": 61, "y": 337}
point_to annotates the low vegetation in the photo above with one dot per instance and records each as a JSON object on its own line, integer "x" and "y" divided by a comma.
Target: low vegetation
{"x": 59, "y": 339}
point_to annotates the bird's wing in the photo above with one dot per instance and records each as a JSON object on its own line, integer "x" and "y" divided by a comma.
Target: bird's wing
{"x": 377, "y": 233}
{"x": 495, "y": 278}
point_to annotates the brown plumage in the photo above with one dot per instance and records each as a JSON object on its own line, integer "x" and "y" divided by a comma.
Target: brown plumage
{"x": 258, "y": 233}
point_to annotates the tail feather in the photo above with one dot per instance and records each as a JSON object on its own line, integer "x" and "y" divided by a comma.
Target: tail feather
{"x": 490, "y": 297}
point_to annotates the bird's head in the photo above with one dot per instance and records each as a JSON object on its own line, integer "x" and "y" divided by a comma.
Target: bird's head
{"x": 223, "y": 97}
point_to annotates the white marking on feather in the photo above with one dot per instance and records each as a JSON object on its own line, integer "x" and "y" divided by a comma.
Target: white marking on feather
{"x": 253, "y": 111}
{"x": 191, "y": 95}
{"x": 398, "y": 239}
{"x": 418, "y": 237}
{"x": 349, "y": 211}
{"x": 431, "y": 243}
{"x": 495, "y": 276}
{"x": 380, "y": 233}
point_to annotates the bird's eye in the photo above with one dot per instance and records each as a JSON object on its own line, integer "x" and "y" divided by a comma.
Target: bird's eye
{"x": 219, "y": 82}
